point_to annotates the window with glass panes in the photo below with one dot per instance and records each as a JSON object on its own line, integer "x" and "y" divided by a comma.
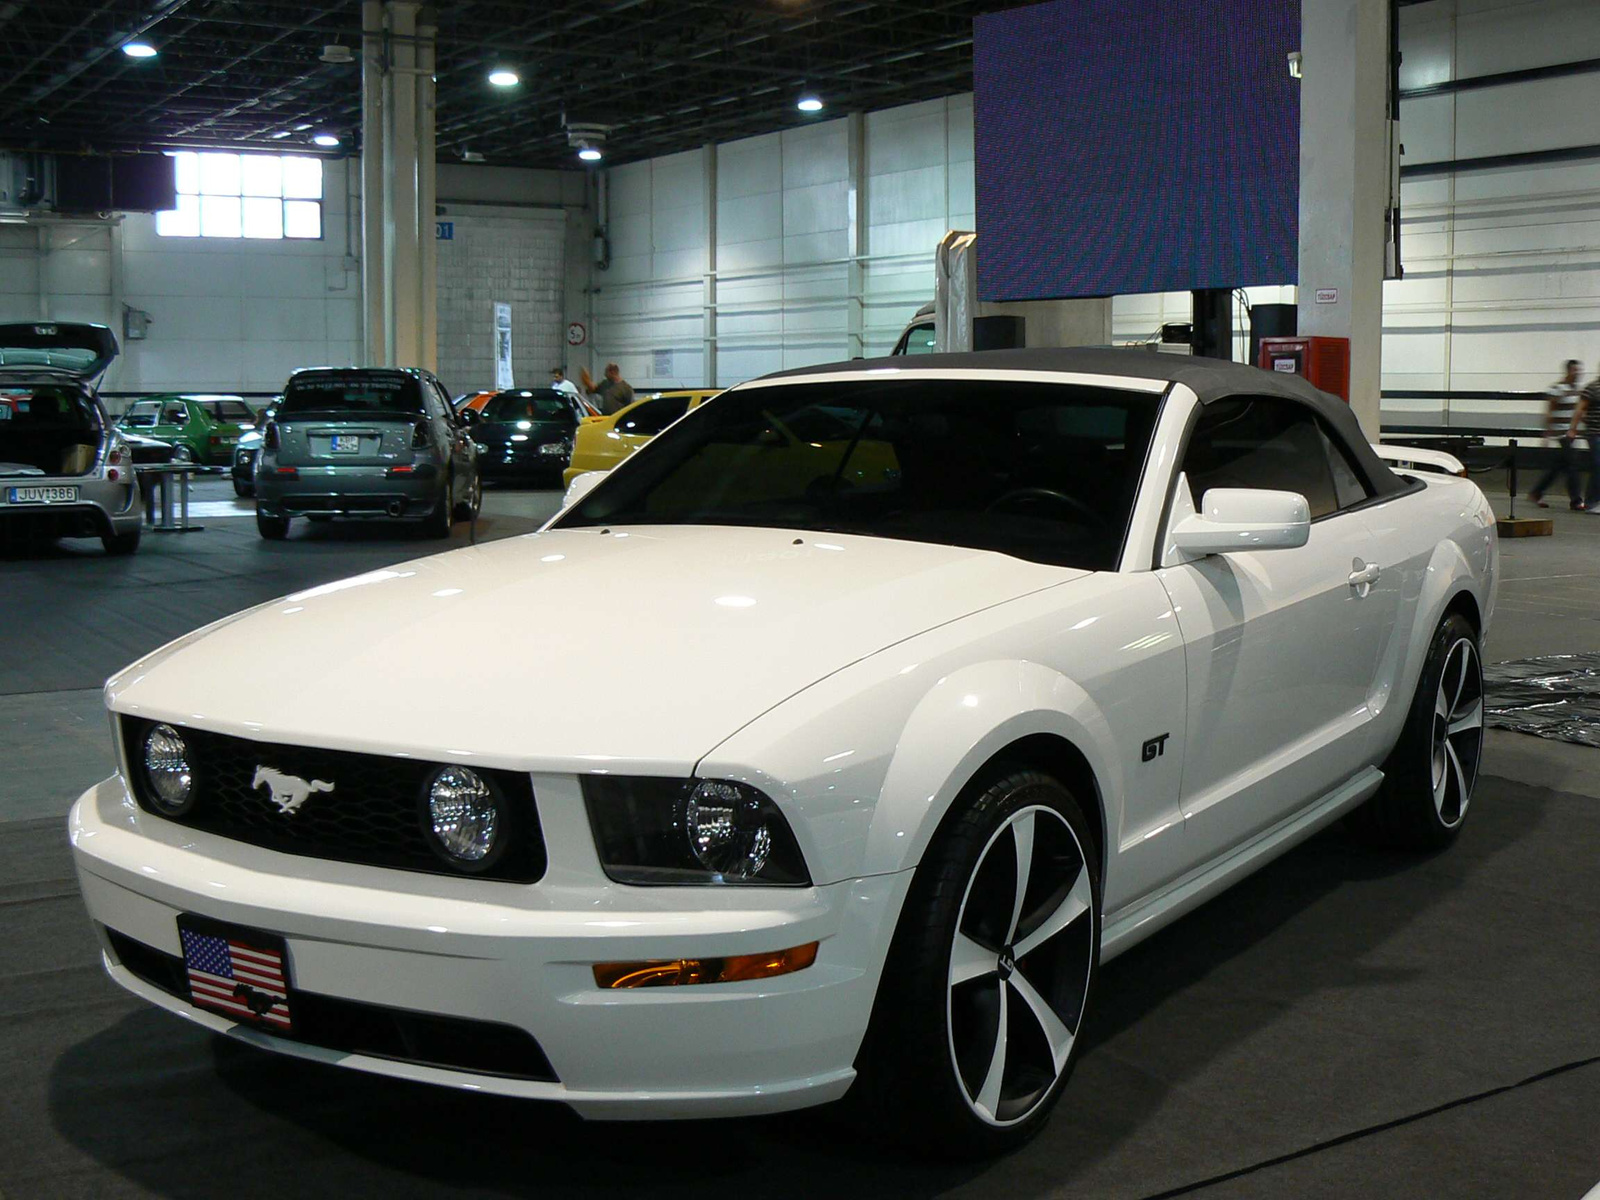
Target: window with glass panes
{"x": 268, "y": 196}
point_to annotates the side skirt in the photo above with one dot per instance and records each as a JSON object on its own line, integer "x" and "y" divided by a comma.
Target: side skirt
{"x": 1127, "y": 928}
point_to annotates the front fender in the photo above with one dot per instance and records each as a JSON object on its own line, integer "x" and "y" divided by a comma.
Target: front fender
{"x": 966, "y": 719}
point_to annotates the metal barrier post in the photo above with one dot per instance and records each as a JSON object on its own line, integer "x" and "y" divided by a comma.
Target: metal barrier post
{"x": 1511, "y": 476}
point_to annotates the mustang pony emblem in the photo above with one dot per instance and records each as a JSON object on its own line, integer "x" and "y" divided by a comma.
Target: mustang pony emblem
{"x": 289, "y": 792}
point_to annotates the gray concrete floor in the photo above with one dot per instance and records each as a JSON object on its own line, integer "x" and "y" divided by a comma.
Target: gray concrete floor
{"x": 1329, "y": 1028}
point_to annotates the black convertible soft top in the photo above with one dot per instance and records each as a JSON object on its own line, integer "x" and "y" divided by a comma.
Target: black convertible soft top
{"x": 1211, "y": 379}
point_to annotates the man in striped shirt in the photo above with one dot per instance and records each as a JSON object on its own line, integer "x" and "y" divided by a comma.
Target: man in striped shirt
{"x": 1563, "y": 419}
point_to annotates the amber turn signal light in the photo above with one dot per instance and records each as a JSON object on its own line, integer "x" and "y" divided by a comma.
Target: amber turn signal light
{"x": 675, "y": 971}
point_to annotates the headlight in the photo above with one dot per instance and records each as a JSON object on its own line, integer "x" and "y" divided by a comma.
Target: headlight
{"x": 463, "y": 820}
{"x": 671, "y": 831}
{"x": 167, "y": 769}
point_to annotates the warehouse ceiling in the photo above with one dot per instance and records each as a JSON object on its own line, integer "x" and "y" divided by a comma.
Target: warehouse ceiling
{"x": 666, "y": 75}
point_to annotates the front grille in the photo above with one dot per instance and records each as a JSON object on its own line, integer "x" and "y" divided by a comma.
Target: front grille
{"x": 373, "y": 814}
{"x": 354, "y": 1027}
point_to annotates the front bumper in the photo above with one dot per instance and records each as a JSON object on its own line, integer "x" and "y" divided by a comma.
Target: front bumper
{"x": 348, "y": 492}
{"x": 520, "y": 955}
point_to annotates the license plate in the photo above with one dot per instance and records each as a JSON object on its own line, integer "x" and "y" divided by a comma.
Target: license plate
{"x": 346, "y": 443}
{"x": 42, "y": 495}
{"x": 241, "y": 973}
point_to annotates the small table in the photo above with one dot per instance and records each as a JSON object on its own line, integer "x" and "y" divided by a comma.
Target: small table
{"x": 174, "y": 517}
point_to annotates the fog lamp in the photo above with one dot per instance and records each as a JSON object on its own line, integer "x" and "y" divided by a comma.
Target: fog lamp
{"x": 463, "y": 819}
{"x": 166, "y": 767}
{"x": 676, "y": 972}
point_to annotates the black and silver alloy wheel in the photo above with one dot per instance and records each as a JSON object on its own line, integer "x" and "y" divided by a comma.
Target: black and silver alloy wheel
{"x": 1430, "y": 774}
{"x": 992, "y": 969}
{"x": 1020, "y": 965}
{"x": 1457, "y": 732}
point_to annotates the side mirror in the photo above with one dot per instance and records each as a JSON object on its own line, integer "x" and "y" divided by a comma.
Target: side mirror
{"x": 1243, "y": 519}
{"x": 581, "y": 486}
{"x": 470, "y": 416}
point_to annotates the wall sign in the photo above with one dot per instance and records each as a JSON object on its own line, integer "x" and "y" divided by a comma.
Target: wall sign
{"x": 661, "y": 363}
{"x": 445, "y": 231}
{"x": 577, "y": 335}
{"x": 503, "y": 377}
{"x": 1327, "y": 295}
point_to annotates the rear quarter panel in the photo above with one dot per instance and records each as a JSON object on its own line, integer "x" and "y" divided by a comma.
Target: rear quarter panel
{"x": 1433, "y": 544}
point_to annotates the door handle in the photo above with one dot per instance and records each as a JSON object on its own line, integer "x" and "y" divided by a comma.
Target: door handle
{"x": 1365, "y": 576}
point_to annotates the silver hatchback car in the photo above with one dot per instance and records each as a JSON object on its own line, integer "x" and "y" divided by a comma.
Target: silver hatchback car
{"x": 374, "y": 442}
{"x": 65, "y": 470}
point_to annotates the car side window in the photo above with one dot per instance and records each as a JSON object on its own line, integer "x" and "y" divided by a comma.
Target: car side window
{"x": 1347, "y": 485}
{"x": 175, "y": 414}
{"x": 651, "y": 417}
{"x": 1262, "y": 442}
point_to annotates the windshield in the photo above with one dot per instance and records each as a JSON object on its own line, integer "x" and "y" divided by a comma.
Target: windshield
{"x": 355, "y": 394}
{"x": 1046, "y": 472}
{"x": 529, "y": 406}
{"x": 144, "y": 413}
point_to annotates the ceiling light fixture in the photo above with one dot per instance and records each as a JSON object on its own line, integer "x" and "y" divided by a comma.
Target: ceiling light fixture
{"x": 590, "y": 153}
{"x": 809, "y": 102}
{"x": 504, "y": 77}
{"x": 325, "y": 139}
{"x": 139, "y": 50}
{"x": 282, "y": 133}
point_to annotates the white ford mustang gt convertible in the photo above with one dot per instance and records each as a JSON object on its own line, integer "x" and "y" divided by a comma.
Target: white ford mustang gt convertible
{"x": 834, "y": 742}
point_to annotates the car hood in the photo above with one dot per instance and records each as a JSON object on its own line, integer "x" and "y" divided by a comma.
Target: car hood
{"x": 571, "y": 650}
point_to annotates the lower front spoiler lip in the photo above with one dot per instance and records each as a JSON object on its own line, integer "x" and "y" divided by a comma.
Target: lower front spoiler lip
{"x": 589, "y": 1103}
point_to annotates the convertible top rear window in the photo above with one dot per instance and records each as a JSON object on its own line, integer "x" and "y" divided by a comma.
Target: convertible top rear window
{"x": 1046, "y": 472}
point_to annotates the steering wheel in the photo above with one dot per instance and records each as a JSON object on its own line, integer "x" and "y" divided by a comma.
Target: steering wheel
{"x": 1094, "y": 516}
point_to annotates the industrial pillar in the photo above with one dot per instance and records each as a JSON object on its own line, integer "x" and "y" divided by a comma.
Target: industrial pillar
{"x": 399, "y": 257}
{"x": 374, "y": 280}
{"x": 708, "y": 305}
{"x": 856, "y": 235}
{"x": 1345, "y": 177}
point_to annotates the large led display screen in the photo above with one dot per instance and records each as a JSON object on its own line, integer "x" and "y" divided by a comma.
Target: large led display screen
{"x": 1131, "y": 146}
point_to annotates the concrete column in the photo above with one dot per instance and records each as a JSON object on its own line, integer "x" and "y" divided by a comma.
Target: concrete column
{"x": 708, "y": 319}
{"x": 400, "y": 181}
{"x": 374, "y": 278}
{"x": 427, "y": 202}
{"x": 399, "y": 256}
{"x": 1344, "y": 184}
{"x": 855, "y": 235}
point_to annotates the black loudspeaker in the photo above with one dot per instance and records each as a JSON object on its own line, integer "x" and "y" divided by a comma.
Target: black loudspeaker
{"x": 999, "y": 333}
{"x": 1271, "y": 320}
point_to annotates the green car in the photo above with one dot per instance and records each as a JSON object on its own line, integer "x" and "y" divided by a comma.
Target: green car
{"x": 208, "y": 427}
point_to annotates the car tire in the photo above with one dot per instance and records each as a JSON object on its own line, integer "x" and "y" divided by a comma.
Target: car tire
{"x": 242, "y": 489}
{"x": 469, "y": 508}
{"x": 1430, "y": 775}
{"x": 273, "y": 529}
{"x": 437, "y": 523}
{"x": 121, "y": 543}
{"x": 960, "y": 1057}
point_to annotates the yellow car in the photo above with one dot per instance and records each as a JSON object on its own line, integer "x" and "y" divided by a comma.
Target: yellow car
{"x": 603, "y": 442}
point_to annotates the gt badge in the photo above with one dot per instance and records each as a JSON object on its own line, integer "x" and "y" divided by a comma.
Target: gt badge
{"x": 289, "y": 792}
{"x": 1155, "y": 747}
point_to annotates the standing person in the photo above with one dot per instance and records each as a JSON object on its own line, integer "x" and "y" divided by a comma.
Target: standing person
{"x": 560, "y": 382}
{"x": 1562, "y": 414}
{"x": 1588, "y": 420}
{"x": 612, "y": 393}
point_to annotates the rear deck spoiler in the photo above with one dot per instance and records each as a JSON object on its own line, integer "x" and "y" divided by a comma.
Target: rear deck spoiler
{"x": 1416, "y": 460}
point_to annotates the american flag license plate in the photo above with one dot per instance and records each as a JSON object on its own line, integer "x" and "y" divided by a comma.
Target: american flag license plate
{"x": 240, "y": 973}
